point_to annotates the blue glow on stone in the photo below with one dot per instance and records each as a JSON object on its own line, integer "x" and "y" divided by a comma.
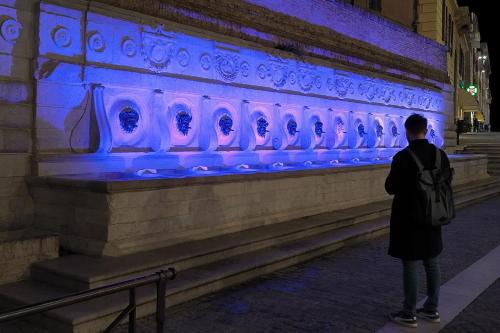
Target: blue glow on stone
{"x": 394, "y": 131}
{"x": 292, "y": 127}
{"x": 262, "y": 124}
{"x": 226, "y": 124}
{"x": 361, "y": 130}
{"x": 183, "y": 119}
{"x": 380, "y": 130}
{"x": 318, "y": 129}
{"x": 129, "y": 119}
{"x": 432, "y": 133}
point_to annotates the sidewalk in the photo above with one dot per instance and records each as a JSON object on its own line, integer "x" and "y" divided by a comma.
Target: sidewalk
{"x": 351, "y": 290}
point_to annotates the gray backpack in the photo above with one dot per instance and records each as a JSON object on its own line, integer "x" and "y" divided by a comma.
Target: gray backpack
{"x": 434, "y": 192}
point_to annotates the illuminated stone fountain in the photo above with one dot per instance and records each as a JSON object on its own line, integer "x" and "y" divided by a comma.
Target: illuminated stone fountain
{"x": 181, "y": 113}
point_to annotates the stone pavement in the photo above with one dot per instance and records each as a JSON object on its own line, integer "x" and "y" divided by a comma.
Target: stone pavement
{"x": 350, "y": 290}
{"x": 482, "y": 315}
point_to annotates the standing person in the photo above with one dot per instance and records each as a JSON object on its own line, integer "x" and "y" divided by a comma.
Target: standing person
{"x": 475, "y": 124}
{"x": 412, "y": 239}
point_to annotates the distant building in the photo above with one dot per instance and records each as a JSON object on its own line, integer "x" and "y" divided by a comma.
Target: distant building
{"x": 458, "y": 29}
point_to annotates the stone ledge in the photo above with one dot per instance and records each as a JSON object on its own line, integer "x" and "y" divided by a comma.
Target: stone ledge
{"x": 114, "y": 182}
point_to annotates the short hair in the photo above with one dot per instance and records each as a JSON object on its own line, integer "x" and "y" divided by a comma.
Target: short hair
{"x": 416, "y": 124}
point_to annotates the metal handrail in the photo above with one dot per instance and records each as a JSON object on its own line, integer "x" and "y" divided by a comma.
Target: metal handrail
{"x": 160, "y": 278}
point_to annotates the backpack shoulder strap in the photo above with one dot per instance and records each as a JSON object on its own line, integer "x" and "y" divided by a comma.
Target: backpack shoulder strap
{"x": 438, "y": 158}
{"x": 416, "y": 159}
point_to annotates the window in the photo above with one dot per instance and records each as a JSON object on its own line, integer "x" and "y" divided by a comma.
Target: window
{"x": 444, "y": 16}
{"x": 452, "y": 36}
{"x": 448, "y": 27}
{"x": 375, "y": 5}
{"x": 461, "y": 64}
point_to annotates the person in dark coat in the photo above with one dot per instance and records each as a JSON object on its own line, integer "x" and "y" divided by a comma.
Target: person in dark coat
{"x": 411, "y": 240}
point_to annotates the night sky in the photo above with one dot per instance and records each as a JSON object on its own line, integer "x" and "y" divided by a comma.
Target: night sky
{"x": 487, "y": 15}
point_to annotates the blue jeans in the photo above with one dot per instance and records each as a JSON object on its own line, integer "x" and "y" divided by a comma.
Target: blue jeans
{"x": 410, "y": 283}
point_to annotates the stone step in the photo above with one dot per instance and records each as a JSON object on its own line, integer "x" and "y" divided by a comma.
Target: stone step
{"x": 19, "y": 249}
{"x": 77, "y": 272}
{"x": 196, "y": 281}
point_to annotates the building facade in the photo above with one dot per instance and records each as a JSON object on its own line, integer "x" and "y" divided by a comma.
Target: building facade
{"x": 467, "y": 58}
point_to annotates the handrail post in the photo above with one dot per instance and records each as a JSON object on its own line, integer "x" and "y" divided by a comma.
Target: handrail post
{"x": 161, "y": 286}
{"x": 131, "y": 315}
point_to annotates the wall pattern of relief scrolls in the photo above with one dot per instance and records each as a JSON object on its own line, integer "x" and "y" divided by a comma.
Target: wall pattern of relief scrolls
{"x": 122, "y": 43}
{"x": 315, "y": 106}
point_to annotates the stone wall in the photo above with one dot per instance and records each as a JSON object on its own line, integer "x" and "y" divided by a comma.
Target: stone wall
{"x": 336, "y": 32}
{"x": 16, "y": 111}
{"x": 96, "y": 216}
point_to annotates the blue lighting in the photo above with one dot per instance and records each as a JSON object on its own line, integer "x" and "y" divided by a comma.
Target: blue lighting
{"x": 226, "y": 124}
{"x": 292, "y": 127}
{"x": 129, "y": 119}
{"x": 183, "y": 119}
{"x": 394, "y": 130}
{"x": 318, "y": 128}
{"x": 361, "y": 130}
{"x": 380, "y": 130}
{"x": 262, "y": 124}
{"x": 432, "y": 133}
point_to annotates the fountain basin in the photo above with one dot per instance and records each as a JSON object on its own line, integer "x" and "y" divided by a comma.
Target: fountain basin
{"x": 116, "y": 213}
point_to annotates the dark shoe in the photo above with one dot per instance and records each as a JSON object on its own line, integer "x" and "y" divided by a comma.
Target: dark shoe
{"x": 431, "y": 316}
{"x": 404, "y": 318}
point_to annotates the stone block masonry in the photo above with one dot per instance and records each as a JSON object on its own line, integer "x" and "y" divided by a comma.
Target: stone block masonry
{"x": 96, "y": 216}
{"x": 19, "y": 249}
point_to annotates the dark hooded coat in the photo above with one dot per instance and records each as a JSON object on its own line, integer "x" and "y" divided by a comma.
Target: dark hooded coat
{"x": 409, "y": 240}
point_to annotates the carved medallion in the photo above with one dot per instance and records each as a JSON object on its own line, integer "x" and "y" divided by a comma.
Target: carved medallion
{"x": 245, "y": 69}
{"x": 129, "y": 47}
{"x": 183, "y": 57}
{"x": 61, "y": 37}
{"x": 157, "y": 49}
{"x": 206, "y": 61}
{"x": 96, "y": 42}
{"x": 227, "y": 66}
{"x": 10, "y": 30}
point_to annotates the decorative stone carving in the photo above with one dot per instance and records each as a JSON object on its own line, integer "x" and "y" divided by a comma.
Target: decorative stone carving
{"x": 343, "y": 86}
{"x": 61, "y": 37}
{"x": 368, "y": 90}
{"x": 394, "y": 131}
{"x": 205, "y": 61}
{"x": 183, "y": 119}
{"x": 318, "y": 129}
{"x": 291, "y": 127}
{"x": 129, "y": 119}
{"x": 339, "y": 126}
{"x": 129, "y": 47}
{"x": 262, "y": 71}
{"x": 227, "y": 66}
{"x": 379, "y": 129}
{"x": 10, "y": 30}
{"x": 361, "y": 130}
{"x": 262, "y": 125}
{"x": 306, "y": 80}
{"x": 226, "y": 124}
{"x": 96, "y": 42}
{"x": 183, "y": 57}
{"x": 157, "y": 49}
{"x": 245, "y": 69}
